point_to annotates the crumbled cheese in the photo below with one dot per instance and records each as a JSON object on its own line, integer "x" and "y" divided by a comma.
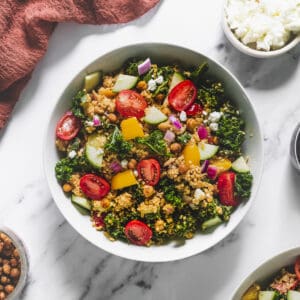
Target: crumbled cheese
{"x": 268, "y": 24}
{"x": 135, "y": 173}
{"x": 124, "y": 163}
{"x": 214, "y": 126}
{"x": 159, "y": 80}
{"x": 151, "y": 85}
{"x": 215, "y": 116}
{"x": 198, "y": 194}
{"x": 72, "y": 154}
{"x": 100, "y": 152}
{"x": 89, "y": 123}
{"x": 204, "y": 113}
{"x": 183, "y": 116}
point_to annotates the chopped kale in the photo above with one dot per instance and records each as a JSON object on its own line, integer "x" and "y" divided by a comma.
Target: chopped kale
{"x": 184, "y": 138}
{"x": 117, "y": 144}
{"x": 197, "y": 73}
{"x": 170, "y": 192}
{"x": 77, "y": 101}
{"x": 208, "y": 212}
{"x": 131, "y": 67}
{"x": 211, "y": 95}
{"x": 155, "y": 142}
{"x": 243, "y": 183}
{"x": 75, "y": 145}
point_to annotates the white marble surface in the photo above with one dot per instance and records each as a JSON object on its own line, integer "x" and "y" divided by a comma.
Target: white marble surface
{"x": 62, "y": 264}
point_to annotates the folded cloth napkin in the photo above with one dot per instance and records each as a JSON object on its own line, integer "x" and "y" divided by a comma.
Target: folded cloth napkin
{"x": 25, "y": 28}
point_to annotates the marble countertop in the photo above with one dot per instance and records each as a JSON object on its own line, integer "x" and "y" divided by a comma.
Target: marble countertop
{"x": 65, "y": 266}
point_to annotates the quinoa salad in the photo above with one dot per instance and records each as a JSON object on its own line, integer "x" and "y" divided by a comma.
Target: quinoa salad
{"x": 153, "y": 152}
{"x": 285, "y": 285}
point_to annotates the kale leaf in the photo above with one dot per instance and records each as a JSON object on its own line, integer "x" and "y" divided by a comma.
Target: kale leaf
{"x": 155, "y": 142}
{"x": 131, "y": 67}
{"x": 243, "y": 183}
{"x": 77, "y": 101}
{"x": 117, "y": 144}
{"x": 170, "y": 192}
{"x": 184, "y": 138}
{"x": 211, "y": 95}
{"x": 199, "y": 71}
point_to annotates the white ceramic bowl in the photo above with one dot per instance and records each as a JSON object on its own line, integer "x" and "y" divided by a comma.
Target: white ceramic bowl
{"x": 268, "y": 269}
{"x": 161, "y": 53}
{"x": 253, "y": 52}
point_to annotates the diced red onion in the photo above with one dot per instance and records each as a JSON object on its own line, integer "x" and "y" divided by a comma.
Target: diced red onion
{"x": 99, "y": 220}
{"x": 175, "y": 122}
{"x": 144, "y": 67}
{"x": 202, "y": 132}
{"x": 169, "y": 136}
{"x": 212, "y": 172}
{"x": 96, "y": 121}
{"x": 204, "y": 166}
{"x": 115, "y": 167}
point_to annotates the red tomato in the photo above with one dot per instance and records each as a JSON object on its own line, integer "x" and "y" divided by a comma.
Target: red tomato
{"x": 68, "y": 126}
{"x": 94, "y": 186}
{"x": 194, "y": 109}
{"x": 183, "y": 95}
{"x": 297, "y": 267}
{"x": 149, "y": 171}
{"x": 226, "y": 189}
{"x": 138, "y": 233}
{"x": 98, "y": 219}
{"x": 131, "y": 104}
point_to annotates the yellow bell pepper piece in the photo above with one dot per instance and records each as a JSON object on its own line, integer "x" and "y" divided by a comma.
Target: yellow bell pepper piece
{"x": 252, "y": 293}
{"x": 123, "y": 179}
{"x": 222, "y": 164}
{"x": 191, "y": 154}
{"x": 131, "y": 128}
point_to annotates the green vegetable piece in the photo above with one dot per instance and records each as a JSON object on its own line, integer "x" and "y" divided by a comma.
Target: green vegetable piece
{"x": 268, "y": 295}
{"x": 240, "y": 165}
{"x": 243, "y": 184}
{"x": 154, "y": 116}
{"x": 77, "y": 102}
{"x": 207, "y": 150}
{"x": 125, "y": 82}
{"x": 92, "y": 80}
{"x": 292, "y": 295}
{"x": 81, "y": 201}
{"x": 94, "y": 151}
{"x": 176, "y": 78}
{"x": 170, "y": 192}
{"x": 211, "y": 223}
{"x": 184, "y": 138}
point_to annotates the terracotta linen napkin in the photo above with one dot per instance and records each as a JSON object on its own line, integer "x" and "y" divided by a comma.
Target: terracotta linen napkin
{"x": 25, "y": 28}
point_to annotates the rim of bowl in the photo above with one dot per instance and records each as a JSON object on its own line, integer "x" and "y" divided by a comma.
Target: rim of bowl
{"x": 294, "y": 145}
{"x": 186, "y": 254}
{"x": 253, "y": 52}
{"x": 288, "y": 251}
{"x": 23, "y": 259}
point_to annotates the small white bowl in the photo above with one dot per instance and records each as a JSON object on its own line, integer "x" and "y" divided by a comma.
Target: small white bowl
{"x": 250, "y": 51}
{"x": 159, "y": 53}
{"x": 268, "y": 269}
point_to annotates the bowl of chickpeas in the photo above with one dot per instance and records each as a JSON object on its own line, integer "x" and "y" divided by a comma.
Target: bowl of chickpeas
{"x": 13, "y": 265}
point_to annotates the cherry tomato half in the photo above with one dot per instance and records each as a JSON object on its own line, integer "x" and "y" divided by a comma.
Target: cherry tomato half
{"x": 183, "y": 95}
{"x": 138, "y": 233}
{"x": 149, "y": 171}
{"x": 226, "y": 182}
{"x": 194, "y": 109}
{"x": 297, "y": 267}
{"x": 68, "y": 126}
{"x": 131, "y": 104}
{"x": 94, "y": 186}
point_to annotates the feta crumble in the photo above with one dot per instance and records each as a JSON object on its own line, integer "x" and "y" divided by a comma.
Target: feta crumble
{"x": 72, "y": 154}
{"x": 124, "y": 163}
{"x": 151, "y": 85}
{"x": 198, "y": 194}
{"x": 215, "y": 117}
{"x": 183, "y": 116}
{"x": 265, "y": 24}
{"x": 214, "y": 126}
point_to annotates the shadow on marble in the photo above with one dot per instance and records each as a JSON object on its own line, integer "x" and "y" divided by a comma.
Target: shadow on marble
{"x": 258, "y": 73}
{"x": 294, "y": 179}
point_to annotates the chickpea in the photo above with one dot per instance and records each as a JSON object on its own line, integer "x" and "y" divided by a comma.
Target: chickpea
{"x": 141, "y": 85}
{"x": 160, "y": 97}
{"x": 67, "y": 187}
{"x": 2, "y": 295}
{"x": 132, "y": 164}
{"x": 191, "y": 125}
{"x": 6, "y": 269}
{"x": 5, "y": 261}
{"x": 15, "y": 273}
{"x": 105, "y": 203}
{"x": 9, "y": 288}
{"x": 148, "y": 190}
{"x": 4, "y": 279}
{"x": 16, "y": 253}
{"x": 166, "y": 110}
{"x": 112, "y": 117}
{"x": 164, "y": 126}
{"x": 183, "y": 168}
{"x": 13, "y": 262}
{"x": 175, "y": 147}
{"x": 1, "y": 247}
{"x": 1, "y": 287}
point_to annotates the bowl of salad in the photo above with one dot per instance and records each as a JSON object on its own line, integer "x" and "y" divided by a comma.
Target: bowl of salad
{"x": 153, "y": 152}
{"x": 276, "y": 279}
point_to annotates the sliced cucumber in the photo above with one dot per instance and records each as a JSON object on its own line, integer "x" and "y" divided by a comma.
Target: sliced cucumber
{"x": 124, "y": 82}
{"x": 94, "y": 150}
{"x": 91, "y": 81}
{"x": 267, "y": 295}
{"x": 293, "y": 295}
{"x": 211, "y": 223}
{"x": 240, "y": 165}
{"x": 207, "y": 150}
{"x": 81, "y": 201}
{"x": 177, "y": 77}
{"x": 154, "y": 116}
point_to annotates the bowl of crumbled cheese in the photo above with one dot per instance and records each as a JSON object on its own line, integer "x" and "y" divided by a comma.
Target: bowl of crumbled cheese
{"x": 262, "y": 28}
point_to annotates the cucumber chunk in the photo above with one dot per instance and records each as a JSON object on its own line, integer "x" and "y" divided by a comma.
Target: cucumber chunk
{"x": 176, "y": 78}
{"x": 293, "y": 295}
{"x": 211, "y": 223}
{"x": 81, "y": 201}
{"x": 91, "y": 81}
{"x": 207, "y": 150}
{"x": 124, "y": 82}
{"x": 240, "y": 165}
{"x": 267, "y": 295}
{"x": 94, "y": 150}
{"x": 154, "y": 116}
